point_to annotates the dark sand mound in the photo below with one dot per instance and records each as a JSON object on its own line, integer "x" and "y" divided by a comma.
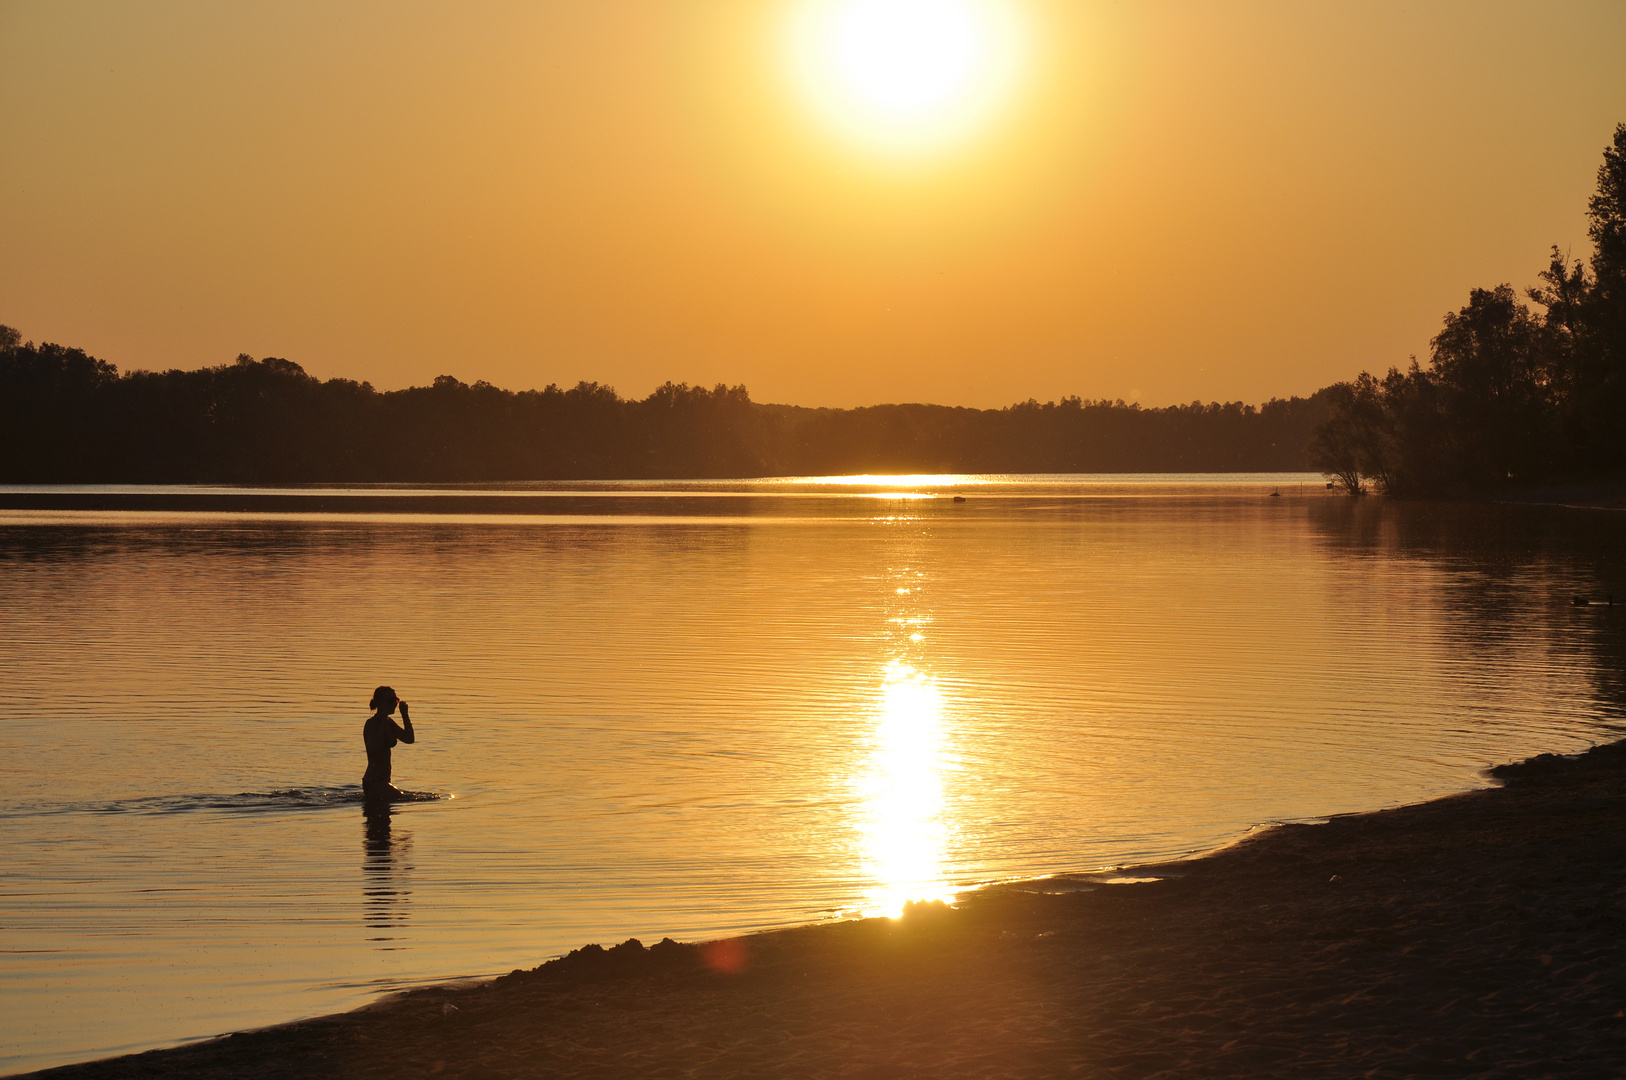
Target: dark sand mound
{"x": 1479, "y": 935}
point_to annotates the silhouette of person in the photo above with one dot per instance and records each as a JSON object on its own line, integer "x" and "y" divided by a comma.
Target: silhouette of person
{"x": 379, "y": 735}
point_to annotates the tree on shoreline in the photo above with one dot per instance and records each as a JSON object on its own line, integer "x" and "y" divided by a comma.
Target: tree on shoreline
{"x": 1355, "y": 442}
{"x": 1509, "y": 395}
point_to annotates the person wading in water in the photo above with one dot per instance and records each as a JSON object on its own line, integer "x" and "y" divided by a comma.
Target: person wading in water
{"x": 379, "y": 734}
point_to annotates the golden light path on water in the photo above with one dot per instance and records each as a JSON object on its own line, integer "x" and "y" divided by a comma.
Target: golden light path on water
{"x": 904, "y": 827}
{"x": 898, "y": 480}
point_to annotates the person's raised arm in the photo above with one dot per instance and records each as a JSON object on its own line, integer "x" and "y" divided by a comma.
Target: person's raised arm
{"x": 405, "y": 734}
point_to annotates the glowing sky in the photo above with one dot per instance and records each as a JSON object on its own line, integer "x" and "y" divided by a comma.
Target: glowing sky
{"x": 960, "y": 201}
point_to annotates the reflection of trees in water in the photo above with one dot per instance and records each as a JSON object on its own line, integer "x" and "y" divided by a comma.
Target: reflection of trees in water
{"x": 307, "y": 544}
{"x": 384, "y": 873}
{"x": 1507, "y": 574}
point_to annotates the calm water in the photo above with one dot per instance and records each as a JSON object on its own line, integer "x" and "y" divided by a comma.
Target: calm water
{"x": 704, "y": 709}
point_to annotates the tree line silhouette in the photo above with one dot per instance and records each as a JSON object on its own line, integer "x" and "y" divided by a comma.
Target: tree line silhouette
{"x": 68, "y": 417}
{"x": 1510, "y": 395}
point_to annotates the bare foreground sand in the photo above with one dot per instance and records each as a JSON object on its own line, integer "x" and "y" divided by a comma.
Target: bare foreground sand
{"x": 1478, "y": 935}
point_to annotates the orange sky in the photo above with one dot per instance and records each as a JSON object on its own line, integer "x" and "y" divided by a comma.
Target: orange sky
{"x": 1166, "y": 202}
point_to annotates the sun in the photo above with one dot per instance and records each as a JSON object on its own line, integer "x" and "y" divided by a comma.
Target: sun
{"x": 905, "y": 75}
{"x": 906, "y": 59}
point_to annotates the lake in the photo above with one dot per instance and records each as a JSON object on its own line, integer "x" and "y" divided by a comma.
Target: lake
{"x": 703, "y": 709}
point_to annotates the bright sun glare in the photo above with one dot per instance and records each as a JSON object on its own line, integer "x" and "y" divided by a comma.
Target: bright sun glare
{"x": 904, "y": 832}
{"x": 905, "y": 74}
{"x": 906, "y": 58}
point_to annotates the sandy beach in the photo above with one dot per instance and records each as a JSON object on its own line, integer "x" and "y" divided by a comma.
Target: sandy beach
{"x": 1478, "y": 935}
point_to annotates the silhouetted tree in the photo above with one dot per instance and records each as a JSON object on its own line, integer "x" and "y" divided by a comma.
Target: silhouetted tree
{"x": 70, "y": 417}
{"x": 1357, "y": 440}
{"x": 54, "y": 412}
{"x": 1600, "y": 375}
{"x": 1509, "y": 394}
{"x": 1493, "y": 375}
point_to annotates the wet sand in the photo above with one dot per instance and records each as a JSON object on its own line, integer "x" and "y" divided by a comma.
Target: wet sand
{"x": 1478, "y": 935}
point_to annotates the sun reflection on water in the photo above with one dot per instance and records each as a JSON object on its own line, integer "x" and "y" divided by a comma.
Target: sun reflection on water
{"x": 904, "y": 831}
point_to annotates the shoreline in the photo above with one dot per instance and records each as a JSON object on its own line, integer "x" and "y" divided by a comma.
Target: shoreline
{"x": 1482, "y": 933}
{"x": 1578, "y": 495}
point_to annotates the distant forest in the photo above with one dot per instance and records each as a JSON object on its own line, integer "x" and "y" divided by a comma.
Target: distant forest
{"x": 1510, "y": 395}
{"x": 67, "y": 417}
